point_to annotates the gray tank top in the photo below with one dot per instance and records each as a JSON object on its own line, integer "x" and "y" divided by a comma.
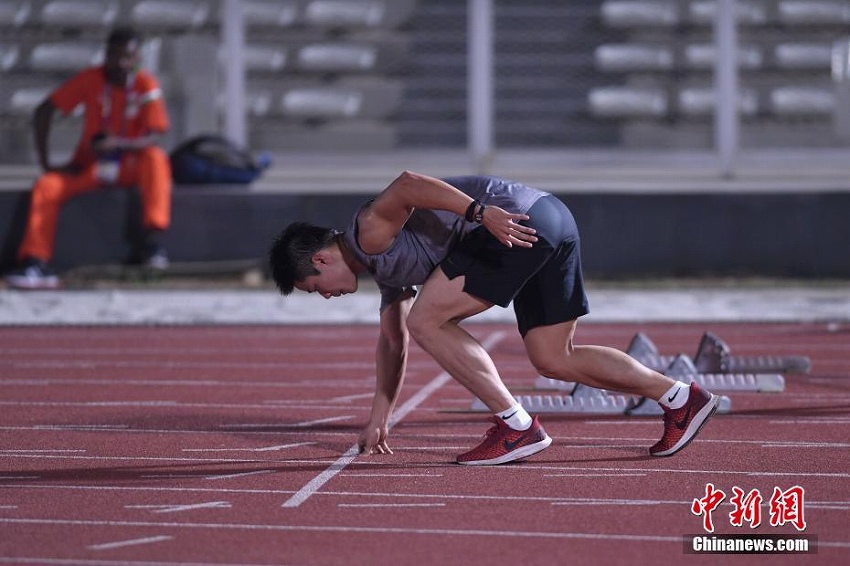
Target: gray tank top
{"x": 429, "y": 235}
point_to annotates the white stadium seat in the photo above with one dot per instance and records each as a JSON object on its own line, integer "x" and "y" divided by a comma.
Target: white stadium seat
{"x": 267, "y": 58}
{"x": 338, "y": 13}
{"x": 65, "y": 56}
{"x": 69, "y": 13}
{"x": 703, "y": 12}
{"x": 703, "y": 55}
{"x": 802, "y": 101}
{"x": 170, "y": 13}
{"x": 9, "y": 55}
{"x": 803, "y": 55}
{"x": 258, "y": 103}
{"x": 626, "y": 57}
{"x": 24, "y": 101}
{"x": 358, "y": 13}
{"x": 337, "y": 57}
{"x": 700, "y": 101}
{"x": 628, "y": 102}
{"x": 14, "y": 13}
{"x": 365, "y": 97}
{"x": 321, "y": 103}
{"x": 640, "y": 13}
{"x": 804, "y": 12}
{"x": 277, "y": 13}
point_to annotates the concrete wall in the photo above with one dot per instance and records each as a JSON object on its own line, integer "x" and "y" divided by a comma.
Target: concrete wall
{"x": 623, "y": 235}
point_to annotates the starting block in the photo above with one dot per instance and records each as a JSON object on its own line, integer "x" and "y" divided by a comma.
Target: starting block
{"x": 714, "y": 368}
{"x": 714, "y": 356}
{"x": 601, "y": 404}
{"x": 647, "y": 407}
{"x": 682, "y": 367}
{"x": 597, "y": 403}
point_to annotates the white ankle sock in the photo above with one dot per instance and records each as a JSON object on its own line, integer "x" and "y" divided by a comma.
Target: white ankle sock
{"x": 516, "y": 417}
{"x": 676, "y": 396}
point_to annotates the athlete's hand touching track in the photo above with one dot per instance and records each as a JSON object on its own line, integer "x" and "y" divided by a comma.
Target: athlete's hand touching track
{"x": 373, "y": 440}
{"x": 504, "y": 226}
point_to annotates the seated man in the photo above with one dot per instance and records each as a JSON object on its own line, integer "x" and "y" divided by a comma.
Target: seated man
{"x": 124, "y": 114}
{"x": 472, "y": 242}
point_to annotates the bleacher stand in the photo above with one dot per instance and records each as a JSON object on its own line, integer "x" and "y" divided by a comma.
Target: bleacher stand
{"x": 339, "y": 65}
{"x": 661, "y": 67}
{"x": 73, "y": 13}
{"x": 14, "y": 13}
{"x": 652, "y": 66}
{"x": 169, "y": 14}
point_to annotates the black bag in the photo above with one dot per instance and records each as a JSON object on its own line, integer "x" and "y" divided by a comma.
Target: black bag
{"x": 213, "y": 159}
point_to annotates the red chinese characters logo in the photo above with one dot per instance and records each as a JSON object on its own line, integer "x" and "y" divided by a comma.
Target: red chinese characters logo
{"x": 787, "y": 507}
{"x": 706, "y": 505}
{"x": 747, "y": 507}
{"x": 784, "y": 506}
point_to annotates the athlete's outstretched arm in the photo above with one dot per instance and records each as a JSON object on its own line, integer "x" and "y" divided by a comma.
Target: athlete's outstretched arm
{"x": 383, "y": 219}
{"x": 390, "y": 364}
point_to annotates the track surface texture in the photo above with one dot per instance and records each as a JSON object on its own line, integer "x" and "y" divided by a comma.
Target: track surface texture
{"x": 236, "y": 445}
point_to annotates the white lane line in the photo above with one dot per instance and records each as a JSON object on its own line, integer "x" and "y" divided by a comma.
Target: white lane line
{"x": 238, "y": 475}
{"x": 193, "y": 476}
{"x": 306, "y": 405}
{"x": 20, "y": 477}
{"x": 25, "y": 451}
{"x": 498, "y": 533}
{"x": 95, "y": 404}
{"x": 368, "y": 475}
{"x": 181, "y": 508}
{"x": 805, "y": 445}
{"x": 529, "y": 467}
{"x": 330, "y": 383}
{"x": 595, "y": 503}
{"x": 106, "y": 427}
{"x": 824, "y": 505}
{"x": 303, "y": 424}
{"x": 152, "y": 459}
{"x": 266, "y": 449}
{"x": 8, "y": 506}
{"x": 317, "y": 482}
{"x": 624, "y": 475}
{"x": 812, "y": 421}
{"x": 395, "y": 505}
{"x": 350, "y": 398}
{"x": 123, "y": 543}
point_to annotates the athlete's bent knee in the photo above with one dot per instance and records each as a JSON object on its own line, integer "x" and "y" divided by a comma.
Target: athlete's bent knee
{"x": 554, "y": 366}
{"x": 419, "y": 325}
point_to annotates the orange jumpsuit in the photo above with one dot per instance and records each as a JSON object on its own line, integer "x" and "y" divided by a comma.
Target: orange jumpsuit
{"x": 130, "y": 112}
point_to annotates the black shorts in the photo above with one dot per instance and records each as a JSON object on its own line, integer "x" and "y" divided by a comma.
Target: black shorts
{"x": 544, "y": 281}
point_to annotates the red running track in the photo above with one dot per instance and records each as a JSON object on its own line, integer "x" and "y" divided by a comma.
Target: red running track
{"x": 232, "y": 445}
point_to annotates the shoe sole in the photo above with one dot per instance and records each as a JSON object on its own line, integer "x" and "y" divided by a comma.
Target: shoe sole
{"x": 693, "y": 429}
{"x": 513, "y": 455}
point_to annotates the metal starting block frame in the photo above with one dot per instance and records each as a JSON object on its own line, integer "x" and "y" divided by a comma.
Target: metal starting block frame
{"x": 714, "y": 356}
{"x": 597, "y": 404}
{"x": 682, "y": 368}
{"x": 713, "y": 368}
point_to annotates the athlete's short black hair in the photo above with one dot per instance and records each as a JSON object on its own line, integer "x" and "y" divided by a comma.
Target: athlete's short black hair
{"x": 290, "y": 257}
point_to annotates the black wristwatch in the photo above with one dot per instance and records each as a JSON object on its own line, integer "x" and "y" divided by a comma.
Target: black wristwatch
{"x": 471, "y": 214}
